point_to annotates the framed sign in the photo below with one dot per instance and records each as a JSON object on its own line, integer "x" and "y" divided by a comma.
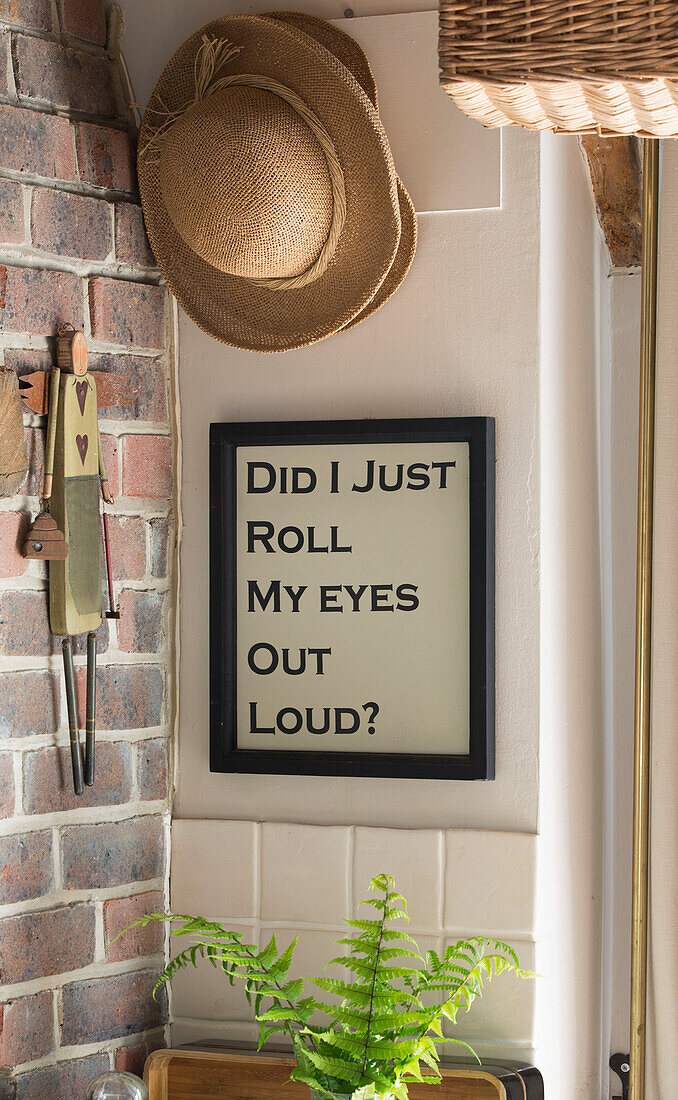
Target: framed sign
{"x": 352, "y": 598}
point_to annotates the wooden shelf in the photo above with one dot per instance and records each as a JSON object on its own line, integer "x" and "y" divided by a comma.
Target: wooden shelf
{"x": 189, "y": 1074}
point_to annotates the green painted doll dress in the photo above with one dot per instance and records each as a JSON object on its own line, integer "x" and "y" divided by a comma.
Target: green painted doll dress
{"x": 74, "y": 458}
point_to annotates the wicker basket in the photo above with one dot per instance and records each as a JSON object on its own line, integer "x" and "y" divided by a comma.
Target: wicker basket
{"x": 576, "y": 66}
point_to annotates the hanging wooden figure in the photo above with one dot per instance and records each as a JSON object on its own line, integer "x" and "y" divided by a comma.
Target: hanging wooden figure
{"x": 75, "y": 481}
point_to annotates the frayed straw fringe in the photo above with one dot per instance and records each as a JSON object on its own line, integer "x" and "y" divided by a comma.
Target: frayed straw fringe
{"x": 210, "y": 59}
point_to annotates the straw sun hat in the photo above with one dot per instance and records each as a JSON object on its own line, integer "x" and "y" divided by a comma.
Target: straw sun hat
{"x": 267, "y": 183}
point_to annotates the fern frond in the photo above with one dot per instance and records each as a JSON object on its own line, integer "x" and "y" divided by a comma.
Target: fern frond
{"x": 382, "y": 1034}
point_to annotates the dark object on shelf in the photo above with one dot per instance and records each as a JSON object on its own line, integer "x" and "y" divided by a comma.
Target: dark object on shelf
{"x": 619, "y": 1063}
{"x": 206, "y": 1070}
{"x": 44, "y": 540}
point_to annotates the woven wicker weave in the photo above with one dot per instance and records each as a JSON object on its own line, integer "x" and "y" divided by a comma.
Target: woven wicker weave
{"x": 583, "y": 66}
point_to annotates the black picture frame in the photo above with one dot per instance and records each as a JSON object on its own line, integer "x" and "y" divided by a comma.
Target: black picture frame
{"x": 225, "y": 756}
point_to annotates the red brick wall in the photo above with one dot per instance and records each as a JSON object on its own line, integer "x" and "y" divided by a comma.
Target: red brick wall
{"x": 75, "y": 871}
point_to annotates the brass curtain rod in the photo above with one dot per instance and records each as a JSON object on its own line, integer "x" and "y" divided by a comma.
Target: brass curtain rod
{"x": 643, "y": 669}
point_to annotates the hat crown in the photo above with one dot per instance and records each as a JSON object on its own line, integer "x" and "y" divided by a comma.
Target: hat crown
{"x": 246, "y": 184}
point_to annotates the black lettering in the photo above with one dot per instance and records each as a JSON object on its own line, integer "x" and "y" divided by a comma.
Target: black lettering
{"x": 415, "y": 476}
{"x": 295, "y": 594}
{"x": 349, "y": 712}
{"x": 383, "y": 484}
{"x": 319, "y": 654}
{"x": 267, "y": 649}
{"x": 264, "y": 538}
{"x": 309, "y": 720}
{"x": 329, "y": 595}
{"x": 356, "y": 594}
{"x": 312, "y": 548}
{"x": 335, "y": 548}
{"x": 369, "y": 484}
{"x": 254, "y": 728}
{"x": 443, "y": 467}
{"x": 297, "y": 487}
{"x": 297, "y": 535}
{"x": 255, "y": 593}
{"x": 287, "y": 667}
{"x": 252, "y": 468}
{"x": 380, "y": 593}
{"x": 297, "y": 720}
{"x": 406, "y": 595}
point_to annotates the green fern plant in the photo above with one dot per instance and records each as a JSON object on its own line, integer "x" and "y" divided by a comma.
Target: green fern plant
{"x": 386, "y": 1027}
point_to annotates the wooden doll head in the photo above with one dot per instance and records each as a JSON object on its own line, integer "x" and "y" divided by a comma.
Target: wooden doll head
{"x": 72, "y": 352}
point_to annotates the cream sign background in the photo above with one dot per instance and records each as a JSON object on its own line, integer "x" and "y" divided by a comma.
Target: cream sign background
{"x": 352, "y": 565}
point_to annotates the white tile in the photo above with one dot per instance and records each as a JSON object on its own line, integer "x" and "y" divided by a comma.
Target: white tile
{"x": 304, "y": 873}
{"x": 505, "y": 1012}
{"x": 446, "y": 160}
{"x": 213, "y": 868}
{"x": 413, "y": 858}
{"x": 184, "y": 1031}
{"x": 490, "y": 882}
{"x": 312, "y": 955}
{"x": 205, "y": 993}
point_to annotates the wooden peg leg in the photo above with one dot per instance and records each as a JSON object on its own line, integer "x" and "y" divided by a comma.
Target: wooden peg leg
{"x": 90, "y": 722}
{"x": 76, "y": 752}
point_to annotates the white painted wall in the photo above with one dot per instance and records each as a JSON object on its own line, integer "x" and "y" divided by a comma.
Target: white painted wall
{"x": 500, "y": 315}
{"x": 572, "y": 779}
{"x": 459, "y": 338}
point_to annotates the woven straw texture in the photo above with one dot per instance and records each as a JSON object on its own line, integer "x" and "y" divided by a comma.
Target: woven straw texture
{"x": 583, "y": 66}
{"x": 13, "y": 459}
{"x": 237, "y": 310}
{"x": 351, "y": 55}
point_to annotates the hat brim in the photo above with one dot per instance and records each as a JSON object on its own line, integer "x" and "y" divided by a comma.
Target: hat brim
{"x": 351, "y": 55}
{"x": 231, "y": 308}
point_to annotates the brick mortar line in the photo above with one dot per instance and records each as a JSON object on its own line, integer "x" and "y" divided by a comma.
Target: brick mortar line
{"x": 125, "y": 507}
{"x": 88, "y": 815}
{"x": 29, "y": 258}
{"x": 83, "y": 897}
{"x": 58, "y": 863}
{"x": 74, "y": 1053}
{"x": 9, "y": 69}
{"x": 81, "y": 188}
{"x": 59, "y": 37}
{"x": 37, "y": 582}
{"x": 55, "y": 110}
{"x": 149, "y": 963}
{"x": 20, "y": 663}
{"x": 119, "y": 428}
{"x": 110, "y": 659}
{"x": 17, "y": 341}
{"x": 27, "y": 204}
{"x": 60, "y": 740}
{"x": 99, "y": 932}
{"x": 18, "y": 777}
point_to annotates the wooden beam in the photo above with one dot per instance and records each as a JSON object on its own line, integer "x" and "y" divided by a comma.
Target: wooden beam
{"x": 614, "y": 166}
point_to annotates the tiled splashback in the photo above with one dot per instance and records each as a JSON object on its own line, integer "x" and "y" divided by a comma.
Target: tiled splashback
{"x": 302, "y": 879}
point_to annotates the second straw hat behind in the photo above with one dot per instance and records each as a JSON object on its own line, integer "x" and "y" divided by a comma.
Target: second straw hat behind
{"x": 267, "y": 183}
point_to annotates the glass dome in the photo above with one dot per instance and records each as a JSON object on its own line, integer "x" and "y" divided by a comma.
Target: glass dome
{"x": 117, "y": 1086}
